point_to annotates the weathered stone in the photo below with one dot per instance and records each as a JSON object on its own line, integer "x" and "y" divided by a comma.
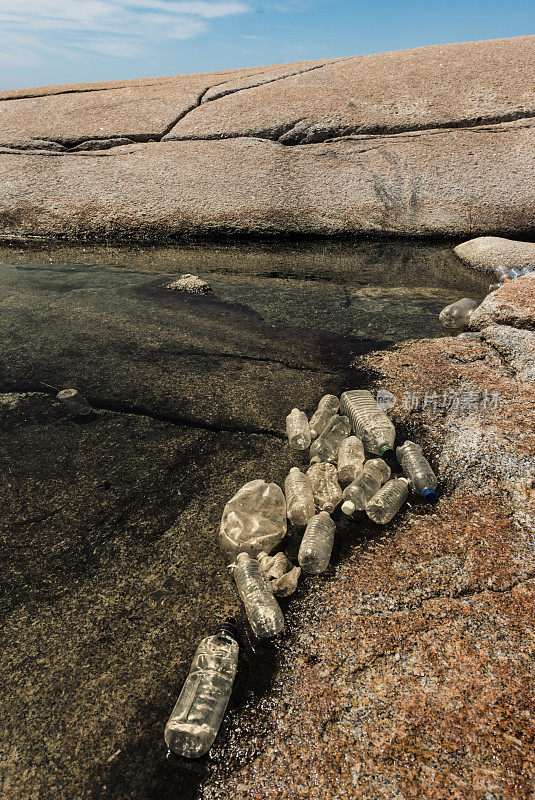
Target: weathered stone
{"x": 512, "y": 304}
{"x": 487, "y": 252}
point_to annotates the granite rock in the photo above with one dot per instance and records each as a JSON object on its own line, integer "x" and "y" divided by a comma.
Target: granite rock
{"x": 487, "y": 252}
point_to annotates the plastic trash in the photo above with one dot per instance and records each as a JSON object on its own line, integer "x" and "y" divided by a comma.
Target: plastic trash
{"x": 502, "y": 273}
{"x": 287, "y": 583}
{"x": 515, "y": 272}
{"x": 263, "y": 611}
{"x": 327, "y": 407}
{"x": 253, "y": 520}
{"x": 494, "y": 287}
{"x": 469, "y": 335}
{"x": 418, "y": 470}
{"x": 526, "y": 270}
{"x": 325, "y": 447}
{"x": 350, "y": 459}
{"x": 457, "y": 315}
{"x": 297, "y": 430}
{"x": 199, "y": 710}
{"x": 299, "y": 497}
{"x": 384, "y": 505}
{"x": 317, "y": 544}
{"x": 368, "y": 421}
{"x": 325, "y": 487}
{"x": 274, "y": 566}
{"x": 74, "y": 401}
{"x": 374, "y": 473}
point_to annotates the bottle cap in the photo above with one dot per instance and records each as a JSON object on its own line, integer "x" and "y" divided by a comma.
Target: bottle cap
{"x": 429, "y": 494}
{"x": 348, "y": 507}
{"x": 229, "y": 628}
{"x": 385, "y": 449}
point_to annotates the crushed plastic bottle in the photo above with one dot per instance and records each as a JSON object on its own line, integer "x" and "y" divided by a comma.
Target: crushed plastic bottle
{"x": 375, "y": 472}
{"x": 350, "y": 459}
{"x": 274, "y": 566}
{"x": 384, "y": 505}
{"x": 299, "y": 497}
{"x": 417, "y": 469}
{"x": 325, "y": 487}
{"x": 317, "y": 544}
{"x": 297, "y": 430}
{"x": 325, "y": 447}
{"x": 263, "y": 611}
{"x": 287, "y": 583}
{"x": 368, "y": 421}
{"x": 74, "y": 401}
{"x": 327, "y": 407}
{"x": 457, "y": 315}
{"x": 253, "y": 520}
{"x": 199, "y": 710}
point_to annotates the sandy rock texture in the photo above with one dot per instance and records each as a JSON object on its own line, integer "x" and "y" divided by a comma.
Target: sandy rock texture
{"x": 434, "y": 140}
{"x": 487, "y": 252}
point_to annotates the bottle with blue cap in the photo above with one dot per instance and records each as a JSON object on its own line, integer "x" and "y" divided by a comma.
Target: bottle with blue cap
{"x": 417, "y": 469}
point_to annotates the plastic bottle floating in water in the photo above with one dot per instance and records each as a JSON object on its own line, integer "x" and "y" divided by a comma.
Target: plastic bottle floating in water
{"x": 325, "y": 447}
{"x": 327, "y": 407}
{"x": 418, "y": 470}
{"x": 299, "y": 497}
{"x": 384, "y": 505}
{"x": 457, "y": 315}
{"x": 263, "y": 611}
{"x": 317, "y": 544}
{"x": 368, "y": 421}
{"x": 297, "y": 430}
{"x": 199, "y": 710}
{"x": 374, "y": 473}
{"x": 350, "y": 459}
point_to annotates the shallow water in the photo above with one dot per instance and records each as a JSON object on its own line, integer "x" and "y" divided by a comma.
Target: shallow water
{"x": 215, "y": 374}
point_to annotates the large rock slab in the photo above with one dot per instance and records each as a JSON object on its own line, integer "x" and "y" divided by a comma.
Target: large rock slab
{"x": 487, "y": 252}
{"x": 435, "y": 140}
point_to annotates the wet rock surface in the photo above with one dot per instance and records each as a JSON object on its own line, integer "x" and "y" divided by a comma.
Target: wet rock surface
{"x": 487, "y": 252}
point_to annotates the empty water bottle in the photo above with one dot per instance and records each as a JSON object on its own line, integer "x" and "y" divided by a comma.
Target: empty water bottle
{"x": 325, "y": 487}
{"x": 457, "y": 315}
{"x": 350, "y": 459}
{"x": 199, "y": 710}
{"x": 374, "y": 473}
{"x": 317, "y": 544}
{"x": 299, "y": 497}
{"x": 327, "y": 406}
{"x": 297, "y": 430}
{"x": 418, "y": 470}
{"x": 515, "y": 272}
{"x": 263, "y": 611}
{"x": 253, "y": 520}
{"x": 502, "y": 273}
{"x": 325, "y": 447}
{"x": 384, "y": 505}
{"x": 526, "y": 270}
{"x": 287, "y": 583}
{"x": 74, "y": 401}
{"x": 368, "y": 421}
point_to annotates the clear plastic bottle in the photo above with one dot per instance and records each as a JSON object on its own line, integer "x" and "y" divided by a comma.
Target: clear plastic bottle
{"x": 368, "y": 421}
{"x": 384, "y": 505}
{"x": 327, "y": 407}
{"x": 253, "y": 520}
{"x": 263, "y": 611}
{"x": 375, "y": 472}
{"x": 350, "y": 459}
{"x": 501, "y": 272}
{"x": 418, "y": 470}
{"x": 325, "y": 487}
{"x": 325, "y": 447}
{"x": 457, "y": 315}
{"x": 317, "y": 544}
{"x": 515, "y": 272}
{"x": 74, "y": 401}
{"x": 199, "y": 710}
{"x": 297, "y": 430}
{"x": 494, "y": 287}
{"x": 299, "y": 497}
{"x": 526, "y": 270}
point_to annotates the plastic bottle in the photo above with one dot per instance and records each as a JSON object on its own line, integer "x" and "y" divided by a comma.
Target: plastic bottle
{"x": 384, "y": 505}
{"x": 253, "y": 520}
{"x": 457, "y": 315}
{"x": 526, "y": 270}
{"x": 299, "y": 497}
{"x": 417, "y": 469}
{"x": 357, "y": 494}
{"x": 317, "y": 544}
{"x": 494, "y": 287}
{"x": 350, "y": 459}
{"x": 199, "y": 710}
{"x": 502, "y": 273}
{"x": 263, "y": 611}
{"x": 325, "y": 487}
{"x": 297, "y": 430}
{"x": 74, "y": 401}
{"x": 368, "y": 421}
{"x": 515, "y": 272}
{"x": 325, "y": 447}
{"x": 327, "y": 406}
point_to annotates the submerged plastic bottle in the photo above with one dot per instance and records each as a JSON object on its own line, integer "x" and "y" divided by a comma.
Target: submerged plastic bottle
{"x": 384, "y": 505}
{"x": 263, "y": 611}
{"x": 199, "y": 710}
{"x": 317, "y": 544}
{"x": 74, "y": 401}
{"x": 297, "y": 430}
{"x": 350, "y": 459}
{"x": 325, "y": 487}
{"x": 418, "y": 470}
{"x": 457, "y": 315}
{"x": 375, "y": 472}
{"x": 299, "y": 497}
{"x": 327, "y": 406}
{"x": 325, "y": 447}
{"x": 368, "y": 421}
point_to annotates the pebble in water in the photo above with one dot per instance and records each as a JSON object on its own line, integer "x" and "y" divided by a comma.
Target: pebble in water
{"x": 368, "y": 421}
{"x": 317, "y": 544}
{"x": 297, "y": 430}
{"x": 325, "y": 447}
{"x": 384, "y": 505}
{"x": 263, "y": 611}
{"x": 299, "y": 497}
{"x": 375, "y": 472}
{"x": 350, "y": 459}
{"x": 325, "y": 487}
{"x": 327, "y": 407}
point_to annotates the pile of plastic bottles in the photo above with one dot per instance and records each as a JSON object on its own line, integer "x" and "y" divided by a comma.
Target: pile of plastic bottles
{"x": 338, "y": 437}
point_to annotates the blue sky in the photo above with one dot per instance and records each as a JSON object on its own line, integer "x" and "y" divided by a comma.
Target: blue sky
{"x": 67, "y": 41}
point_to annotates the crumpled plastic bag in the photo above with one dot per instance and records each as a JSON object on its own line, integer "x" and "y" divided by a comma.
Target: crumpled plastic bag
{"x": 254, "y": 520}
